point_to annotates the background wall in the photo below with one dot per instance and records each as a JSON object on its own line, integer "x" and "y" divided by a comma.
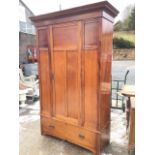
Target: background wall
{"x": 24, "y": 41}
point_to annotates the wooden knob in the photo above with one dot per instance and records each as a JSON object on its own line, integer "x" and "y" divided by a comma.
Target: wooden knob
{"x": 52, "y": 126}
{"x": 81, "y": 136}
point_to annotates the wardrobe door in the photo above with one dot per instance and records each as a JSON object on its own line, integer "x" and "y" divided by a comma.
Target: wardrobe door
{"x": 66, "y": 68}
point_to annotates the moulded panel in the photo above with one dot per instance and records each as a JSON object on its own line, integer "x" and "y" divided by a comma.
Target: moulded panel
{"x": 65, "y": 37}
{"x": 91, "y": 34}
{"x": 67, "y": 84}
{"x": 73, "y": 84}
{"x": 91, "y": 89}
{"x": 45, "y": 82}
{"x": 42, "y": 38}
{"x": 60, "y": 83}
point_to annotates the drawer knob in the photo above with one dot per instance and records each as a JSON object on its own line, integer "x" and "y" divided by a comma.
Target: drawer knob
{"x": 81, "y": 136}
{"x": 52, "y": 126}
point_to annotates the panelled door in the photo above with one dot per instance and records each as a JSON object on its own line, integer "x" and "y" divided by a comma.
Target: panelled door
{"x": 65, "y": 41}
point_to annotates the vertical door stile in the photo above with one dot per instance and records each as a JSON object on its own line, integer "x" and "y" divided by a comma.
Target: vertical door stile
{"x": 99, "y": 75}
{"x": 52, "y": 71}
{"x": 81, "y": 75}
{"x": 49, "y": 56}
{"x": 66, "y": 83}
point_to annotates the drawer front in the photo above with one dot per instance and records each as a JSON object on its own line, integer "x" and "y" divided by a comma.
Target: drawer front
{"x": 71, "y": 133}
{"x": 81, "y": 136}
{"x": 54, "y": 128}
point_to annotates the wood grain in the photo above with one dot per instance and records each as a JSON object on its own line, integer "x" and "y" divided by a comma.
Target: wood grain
{"x": 75, "y": 54}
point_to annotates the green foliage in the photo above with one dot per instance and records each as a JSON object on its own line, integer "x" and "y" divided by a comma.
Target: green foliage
{"x": 131, "y": 23}
{"x": 128, "y": 23}
{"x": 122, "y": 43}
{"x": 118, "y": 26}
{"x": 127, "y": 35}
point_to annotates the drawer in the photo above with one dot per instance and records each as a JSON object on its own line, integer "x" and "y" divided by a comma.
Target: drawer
{"x": 82, "y": 137}
{"x": 71, "y": 133}
{"x": 54, "y": 128}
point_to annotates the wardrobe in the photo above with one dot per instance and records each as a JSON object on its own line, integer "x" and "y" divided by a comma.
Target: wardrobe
{"x": 75, "y": 54}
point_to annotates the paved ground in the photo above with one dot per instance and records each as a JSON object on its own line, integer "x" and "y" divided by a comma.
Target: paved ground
{"x": 32, "y": 143}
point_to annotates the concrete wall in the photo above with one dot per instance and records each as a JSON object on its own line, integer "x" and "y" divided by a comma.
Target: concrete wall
{"x": 24, "y": 41}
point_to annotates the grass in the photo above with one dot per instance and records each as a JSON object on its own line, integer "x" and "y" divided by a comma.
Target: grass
{"x": 127, "y": 35}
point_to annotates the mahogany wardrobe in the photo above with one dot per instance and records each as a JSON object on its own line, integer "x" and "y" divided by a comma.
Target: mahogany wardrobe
{"x": 75, "y": 55}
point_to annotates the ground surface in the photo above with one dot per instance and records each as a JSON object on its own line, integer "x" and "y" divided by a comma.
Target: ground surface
{"x": 33, "y": 143}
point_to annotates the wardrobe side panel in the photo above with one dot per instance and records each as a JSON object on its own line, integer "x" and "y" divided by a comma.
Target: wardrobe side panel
{"x": 105, "y": 79}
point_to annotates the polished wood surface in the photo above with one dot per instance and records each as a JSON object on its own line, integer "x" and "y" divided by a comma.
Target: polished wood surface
{"x": 131, "y": 144}
{"x": 45, "y": 79}
{"x": 66, "y": 69}
{"x": 75, "y": 54}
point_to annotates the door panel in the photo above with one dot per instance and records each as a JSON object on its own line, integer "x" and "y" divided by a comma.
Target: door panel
{"x": 60, "y": 83}
{"x": 65, "y": 36}
{"x": 91, "y": 88}
{"x": 73, "y": 81}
